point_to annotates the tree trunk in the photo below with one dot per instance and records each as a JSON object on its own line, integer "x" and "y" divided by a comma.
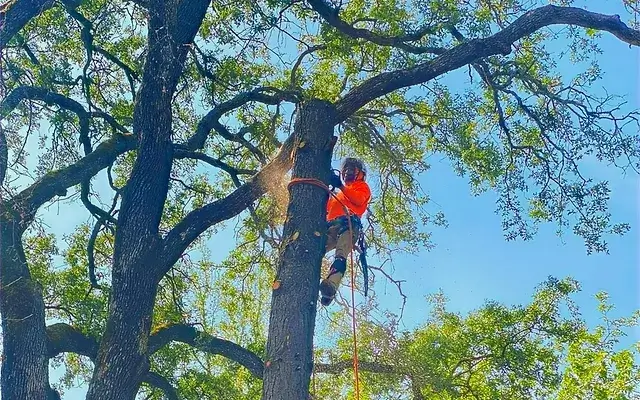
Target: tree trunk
{"x": 122, "y": 360}
{"x": 25, "y": 373}
{"x": 293, "y": 307}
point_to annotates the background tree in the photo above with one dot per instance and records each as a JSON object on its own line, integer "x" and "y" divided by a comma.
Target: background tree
{"x": 149, "y": 91}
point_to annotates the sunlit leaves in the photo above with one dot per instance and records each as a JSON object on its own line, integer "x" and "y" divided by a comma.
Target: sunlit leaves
{"x": 497, "y": 351}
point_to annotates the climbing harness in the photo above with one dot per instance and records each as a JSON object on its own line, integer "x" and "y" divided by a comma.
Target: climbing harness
{"x": 320, "y": 184}
{"x": 361, "y": 245}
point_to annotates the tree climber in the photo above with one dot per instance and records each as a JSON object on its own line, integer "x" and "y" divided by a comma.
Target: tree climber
{"x": 355, "y": 195}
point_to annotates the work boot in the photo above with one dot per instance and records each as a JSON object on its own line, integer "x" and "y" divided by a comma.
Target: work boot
{"x": 329, "y": 286}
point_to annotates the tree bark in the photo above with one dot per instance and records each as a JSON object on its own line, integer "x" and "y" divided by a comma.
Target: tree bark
{"x": 14, "y": 15}
{"x": 293, "y": 307}
{"x": 25, "y": 373}
{"x": 122, "y": 361}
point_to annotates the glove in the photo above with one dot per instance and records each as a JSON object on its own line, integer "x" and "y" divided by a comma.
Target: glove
{"x": 335, "y": 181}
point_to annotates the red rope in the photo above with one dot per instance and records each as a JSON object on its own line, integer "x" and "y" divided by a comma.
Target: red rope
{"x": 318, "y": 183}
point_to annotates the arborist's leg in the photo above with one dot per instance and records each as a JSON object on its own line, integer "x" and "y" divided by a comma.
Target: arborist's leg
{"x": 329, "y": 286}
{"x": 332, "y": 237}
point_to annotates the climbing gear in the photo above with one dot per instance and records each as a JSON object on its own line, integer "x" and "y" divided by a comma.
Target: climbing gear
{"x": 343, "y": 222}
{"x": 362, "y": 248}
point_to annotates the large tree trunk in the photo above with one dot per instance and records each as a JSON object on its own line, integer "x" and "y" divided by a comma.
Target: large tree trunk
{"x": 122, "y": 360}
{"x": 25, "y": 373}
{"x": 293, "y": 308}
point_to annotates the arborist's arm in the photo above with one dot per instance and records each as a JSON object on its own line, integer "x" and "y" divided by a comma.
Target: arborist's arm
{"x": 358, "y": 193}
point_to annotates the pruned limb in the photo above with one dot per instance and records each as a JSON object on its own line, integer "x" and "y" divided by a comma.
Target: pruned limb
{"x": 468, "y": 52}
{"x": 332, "y": 17}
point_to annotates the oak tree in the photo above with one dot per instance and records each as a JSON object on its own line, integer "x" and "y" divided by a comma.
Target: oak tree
{"x": 164, "y": 119}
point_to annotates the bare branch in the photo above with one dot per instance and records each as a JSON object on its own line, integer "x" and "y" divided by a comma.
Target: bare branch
{"x": 181, "y": 153}
{"x": 468, "y": 52}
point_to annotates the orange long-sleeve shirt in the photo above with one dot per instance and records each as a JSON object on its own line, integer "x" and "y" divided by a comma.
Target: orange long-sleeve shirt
{"x": 355, "y": 196}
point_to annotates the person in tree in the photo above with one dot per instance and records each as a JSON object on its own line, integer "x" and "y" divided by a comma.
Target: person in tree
{"x": 354, "y": 194}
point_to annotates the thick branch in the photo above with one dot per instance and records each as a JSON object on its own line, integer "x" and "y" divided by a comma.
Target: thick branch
{"x": 14, "y": 15}
{"x": 208, "y": 344}
{"x": 331, "y": 16}
{"x": 27, "y": 202}
{"x": 36, "y": 93}
{"x": 199, "y": 220}
{"x": 64, "y": 338}
{"x": 468, "y": 52}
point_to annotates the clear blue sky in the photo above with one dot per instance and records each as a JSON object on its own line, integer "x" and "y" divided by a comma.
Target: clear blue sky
{"x": 472, "y": 262}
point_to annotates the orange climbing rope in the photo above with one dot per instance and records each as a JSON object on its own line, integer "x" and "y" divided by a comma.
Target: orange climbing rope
{"x": 320, "y": 184}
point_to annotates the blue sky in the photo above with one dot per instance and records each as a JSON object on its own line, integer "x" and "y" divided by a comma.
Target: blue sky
{"x": 472, "y": 262}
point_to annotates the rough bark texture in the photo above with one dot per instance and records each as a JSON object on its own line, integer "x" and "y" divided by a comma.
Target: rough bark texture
{"x": 17, "y": 14}
{"x": 25, "y": 372}
{"x": 293, "y": 307}
{"x": 122, "y": 361}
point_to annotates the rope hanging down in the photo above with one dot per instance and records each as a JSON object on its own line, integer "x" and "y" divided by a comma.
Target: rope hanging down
{"x": 322, "y": 185}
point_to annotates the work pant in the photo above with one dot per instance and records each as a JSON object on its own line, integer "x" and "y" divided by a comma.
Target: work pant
{"x": 338, "y": 238}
